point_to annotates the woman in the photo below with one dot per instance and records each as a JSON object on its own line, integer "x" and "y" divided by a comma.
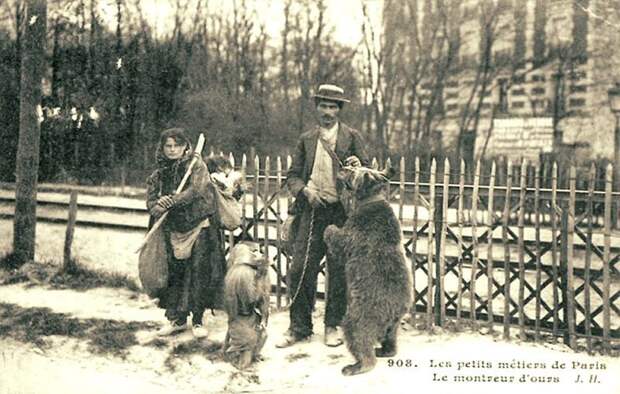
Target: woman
{"x": 196, "y": 264}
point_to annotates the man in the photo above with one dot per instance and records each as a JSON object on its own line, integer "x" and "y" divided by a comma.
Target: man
{"x": 312, "y": 180}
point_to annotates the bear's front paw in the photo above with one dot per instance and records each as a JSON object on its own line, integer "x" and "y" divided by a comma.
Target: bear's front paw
{"x": 330, "y": 231}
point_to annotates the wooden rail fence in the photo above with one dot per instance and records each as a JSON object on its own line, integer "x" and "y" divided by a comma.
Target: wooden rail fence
{"x": 499, "y": 253}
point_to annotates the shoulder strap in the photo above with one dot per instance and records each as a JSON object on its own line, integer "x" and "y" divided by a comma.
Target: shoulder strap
{"x": 331, "y": 152}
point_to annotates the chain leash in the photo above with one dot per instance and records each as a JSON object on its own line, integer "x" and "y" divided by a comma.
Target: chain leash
{"x": 303, "y": 271}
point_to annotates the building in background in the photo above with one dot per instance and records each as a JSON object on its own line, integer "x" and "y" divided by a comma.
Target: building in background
{"x": 515, "y": 78}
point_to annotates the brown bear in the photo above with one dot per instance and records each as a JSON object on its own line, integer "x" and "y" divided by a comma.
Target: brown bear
{"x": 378, "y": 277}
{"x": 246, "y": 300}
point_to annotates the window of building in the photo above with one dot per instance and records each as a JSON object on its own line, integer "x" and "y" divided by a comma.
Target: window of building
{"x": 452, "y": 107}
{"x": 559, "y": 20}
{"x": 582, "y": 59}
{"x": 538, "y": 91}
{"x": 504, "y": 5}
{"x": 578, "y": 88}
{"x": 577, "y": 102}
{"x": 503, "y": 95}
{"x": 452, "y": 84}
{"x": 518, "y": 79}
{"x": 469, "y": 12}
{"x": 452, "y": 95}
{"x": 518, "y": 92}
{"x": 538, "y": 78}
{"x": 538, "y": 104}
{"x": 518, "y": 104}
{"x": 577, "y": 75}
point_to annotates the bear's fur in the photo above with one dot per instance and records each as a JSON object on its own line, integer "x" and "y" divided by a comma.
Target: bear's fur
{"x": 246, "y": 301}
{"x": 379, "y": 283}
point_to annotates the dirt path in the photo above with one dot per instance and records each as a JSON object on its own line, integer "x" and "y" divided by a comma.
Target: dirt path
{"x": 76, "y": 361}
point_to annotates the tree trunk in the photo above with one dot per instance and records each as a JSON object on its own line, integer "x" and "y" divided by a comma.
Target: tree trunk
{"x": 33, "y": 63}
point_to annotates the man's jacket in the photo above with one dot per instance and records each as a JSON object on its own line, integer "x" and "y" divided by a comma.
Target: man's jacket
{"x": 348, "y": 143}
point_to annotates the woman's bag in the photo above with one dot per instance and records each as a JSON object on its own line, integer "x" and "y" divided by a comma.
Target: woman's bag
{"x": 289, "y": 228}
{"x": 153, "y": 264}
{"x": 228, "y": 209}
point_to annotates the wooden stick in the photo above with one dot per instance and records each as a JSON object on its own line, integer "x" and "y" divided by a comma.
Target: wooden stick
{"x": 188, "y": 172}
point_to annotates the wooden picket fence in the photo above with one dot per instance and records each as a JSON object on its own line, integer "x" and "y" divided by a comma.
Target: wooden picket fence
{"x": 509, "y": 252}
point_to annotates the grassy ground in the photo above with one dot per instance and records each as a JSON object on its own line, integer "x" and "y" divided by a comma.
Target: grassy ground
{"x": 76, "y": 276}
{"x": 36, "y": 326}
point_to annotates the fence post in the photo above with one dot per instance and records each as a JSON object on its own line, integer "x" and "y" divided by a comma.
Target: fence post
{"x": 490, "y": 217}
{"x": 570, "y": 290}
{"x": 563, "y": 265}
{"x": 255, "y": 195}
{"x": 414, "y": 236}
{"x": 438, "y": 220}
{"x": 266, "y": 209}
{"x": 440, "y": 243}
{"x": 606, "y": 259}
{"x": 244, "y": 198}
{"x": 252, "y": 154}
{"x": 505, "y": 227}
{"x": 67, "y": 264}
{"x": 278, "y": 233}
{"x": 474, "y": 242}
{"x": 430, "y": 251}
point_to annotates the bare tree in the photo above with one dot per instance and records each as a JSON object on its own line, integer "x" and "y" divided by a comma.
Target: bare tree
{"x": 380, "y": 53}
{"x": 284, "y": 62}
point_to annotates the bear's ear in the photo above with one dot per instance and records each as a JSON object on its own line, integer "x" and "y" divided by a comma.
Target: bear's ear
{"x": 361, "y": 183}
{"x": 388, "y": 172}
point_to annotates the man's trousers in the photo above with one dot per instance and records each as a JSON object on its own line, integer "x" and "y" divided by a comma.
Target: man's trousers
{"x": 303, "y": 305}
